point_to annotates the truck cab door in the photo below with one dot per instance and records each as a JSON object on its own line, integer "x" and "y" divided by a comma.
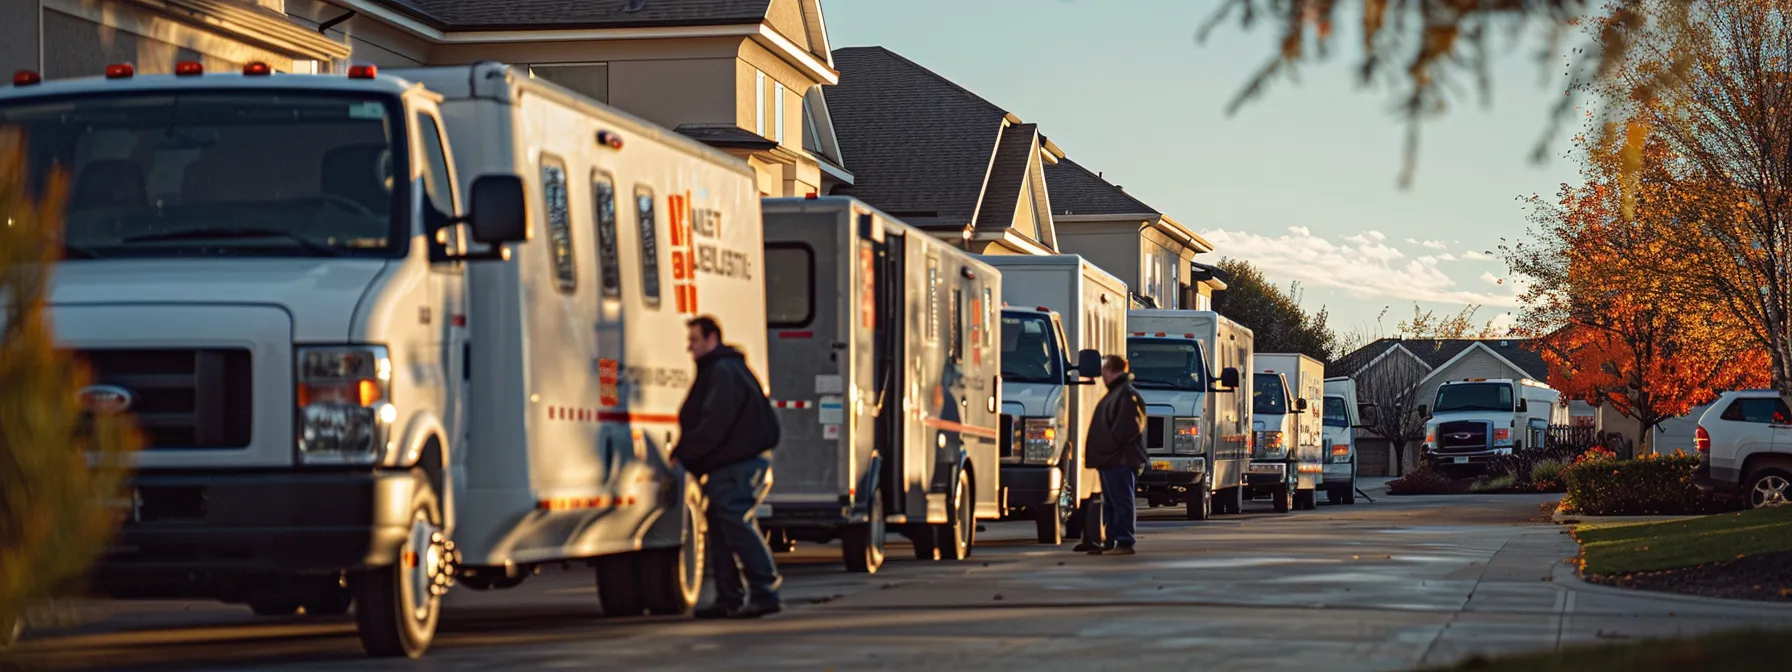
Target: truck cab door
{"x": 439, "y": 202}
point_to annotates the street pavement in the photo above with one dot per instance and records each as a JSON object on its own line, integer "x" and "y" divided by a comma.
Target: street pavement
{"x": 1401, "y": 583}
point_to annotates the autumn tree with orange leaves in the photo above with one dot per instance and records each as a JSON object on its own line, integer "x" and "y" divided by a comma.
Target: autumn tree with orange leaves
{"x": 1609, "y": 306}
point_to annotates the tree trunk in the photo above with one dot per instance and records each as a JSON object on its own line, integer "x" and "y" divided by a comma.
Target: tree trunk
{"x": 1399, "y": 453}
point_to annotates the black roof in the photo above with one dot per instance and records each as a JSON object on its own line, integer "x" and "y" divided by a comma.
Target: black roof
{"x": 1437, "y": 352}
{"x": 1077, "y": 191}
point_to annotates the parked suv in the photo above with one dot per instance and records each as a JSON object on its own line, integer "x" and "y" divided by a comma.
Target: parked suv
{"x": 1745, "y": 447}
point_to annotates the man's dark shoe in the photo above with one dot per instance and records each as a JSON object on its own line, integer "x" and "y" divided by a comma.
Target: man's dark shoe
{"x": 1086, "y": 547}
{"x": 756, "y": 611}
{"x": 1123, "y": 550}
{"x": 716, "y": 611}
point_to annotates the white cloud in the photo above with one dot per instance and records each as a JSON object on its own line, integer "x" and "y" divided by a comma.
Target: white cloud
{"x": 1477, "y": 255}
{"x": 1492, "y": 279}
{"x": 1435, "y": 244}
{"x": 1447, "y": 257}
{"x": 1363, "y": 265}
{"x": 1503, "y": 323}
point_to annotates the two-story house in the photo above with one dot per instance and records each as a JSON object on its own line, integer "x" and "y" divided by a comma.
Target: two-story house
{"x": 937, "y": 156}
{"x": 1155, "y": 253}
{"x": 78, "y": 38}
{"x": 745, "y": 76}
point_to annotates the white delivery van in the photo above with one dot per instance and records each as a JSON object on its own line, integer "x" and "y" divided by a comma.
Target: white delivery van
{"x": 1287, "y": 460}
{"x": 886, "y": 381}
{"x": 1187, "y": 364}
{"x": 343, "y": 402}
{"x": 1056, "y": 305}
{"x": 1474, "y": 421}
{"x": 1343, "y": 416}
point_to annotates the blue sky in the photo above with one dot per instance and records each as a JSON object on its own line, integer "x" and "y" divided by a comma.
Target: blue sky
{"x": 1303, "y": 182}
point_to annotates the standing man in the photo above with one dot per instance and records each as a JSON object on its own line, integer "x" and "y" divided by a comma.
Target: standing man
{"x": 726, "y": 433}
{"x": 1116, "y": 448}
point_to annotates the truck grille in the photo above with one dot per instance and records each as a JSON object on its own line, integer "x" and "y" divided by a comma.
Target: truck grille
{"x": 1462, "y": 436}
{"x": 183, "y": 398}
{"x": 1156, "y": 434}
{"x": 1009, "y": 435}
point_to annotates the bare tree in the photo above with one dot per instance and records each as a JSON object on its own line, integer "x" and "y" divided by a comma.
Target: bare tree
{"x": 1391, "y": 384}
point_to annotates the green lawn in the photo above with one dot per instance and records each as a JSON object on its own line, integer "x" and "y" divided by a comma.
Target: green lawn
{"x": 1729, "y": 651}
{"x": 1645, "y": 547}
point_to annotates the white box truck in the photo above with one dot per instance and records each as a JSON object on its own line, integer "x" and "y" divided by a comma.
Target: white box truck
{"x": 345, "y": 404}
{"x": 1475, "y": 421}
{"x": 1056, "y": 305}
{"x": 1344, "y": 414}
{"x": 1187, "y": 365}
{"x": 1287, "y": 459}
{"x": 886, "y": 379}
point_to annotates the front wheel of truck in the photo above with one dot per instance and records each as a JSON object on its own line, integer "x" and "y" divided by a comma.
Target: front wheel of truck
{"x": 1199, "y": 501}
{"x": 397, "y": 606}
{"x": 1284, "y": 498}
{"x": 863, "y": 543}
{"x": 672, "y": 578}
{"x": 1306, "y": 500}
{"x": 959, "y": 534}
{"x": 1049, "y": 519}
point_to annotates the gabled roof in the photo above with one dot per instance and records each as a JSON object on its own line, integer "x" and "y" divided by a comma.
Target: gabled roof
{"x": 921, "y": 146}
{"x": 514, "y": 14}
{"x": 1077, "y": 191}
{"x": 1015, "y": 153}
{"x": 1436, "y": 353}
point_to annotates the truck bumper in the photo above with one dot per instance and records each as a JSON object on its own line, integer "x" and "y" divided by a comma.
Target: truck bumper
{"x": 1465, "y": 463}
{"x": 1262, "y": 473}
{"x": 1168, "y": 478}
{"x": 808, "y": 514}
{"x": 194, "y": 534}
{"x": 1030, "y": 485}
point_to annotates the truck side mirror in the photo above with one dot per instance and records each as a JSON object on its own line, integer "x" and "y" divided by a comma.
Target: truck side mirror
{"x": 1300, "y": 404}
{"x": 1367, "y": 414}
{"x": 1424, "y": 411}
{"x": 1088, "y": 364}
{"x": 496, "y": 210}
{"x": 1229, "y": 378}
{"x": 1522, "y": 406}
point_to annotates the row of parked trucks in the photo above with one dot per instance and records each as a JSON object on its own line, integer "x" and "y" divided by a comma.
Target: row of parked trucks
{"x": 390, "y": 333}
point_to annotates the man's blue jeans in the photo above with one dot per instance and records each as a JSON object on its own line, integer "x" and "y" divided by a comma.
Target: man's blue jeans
{"x": 737, "y": 548}
{"x": 1118, "y": 509}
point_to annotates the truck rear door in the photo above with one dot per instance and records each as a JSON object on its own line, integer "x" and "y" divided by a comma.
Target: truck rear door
{"x": 810, "y": 359}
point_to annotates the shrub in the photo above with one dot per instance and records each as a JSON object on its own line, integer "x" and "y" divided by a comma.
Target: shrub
{"x": 1647, "y": 485}
{"x": 54, "y": 509}
{"x": 1500, "y": 483}
{"x": 1546, "y": 476}
{"x": 1424, "y": 480}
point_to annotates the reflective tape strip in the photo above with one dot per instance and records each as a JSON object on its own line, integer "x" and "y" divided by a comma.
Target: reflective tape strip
{"x": 792, "y": 404}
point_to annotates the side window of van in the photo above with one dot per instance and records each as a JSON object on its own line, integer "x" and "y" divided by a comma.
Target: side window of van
{"x": 553, "y": 192}
{"x": 603, "y": 198}
{"x": 650, "y": 244}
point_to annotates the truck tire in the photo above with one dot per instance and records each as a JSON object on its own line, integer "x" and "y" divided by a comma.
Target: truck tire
{"x": 619, "y": 585}
{"x": 1231, "y": 501}
{"x": 1049, "y": 519}
{"x": 672, "y": 578}
{"x": 925, "y": 540}
{"x": 1199, "y": 501}
{"x": 959, "y": 534}
{"x": 397, "y": 606}
{"x": 862, "y": 544}
{"x": 1306, "y": 500}
{"x": 1284, "y": 498}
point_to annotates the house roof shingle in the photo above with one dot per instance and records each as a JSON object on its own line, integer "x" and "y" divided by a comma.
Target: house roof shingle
{"x": 1077, "y": 191}
{"x": 1436, "y": 353}
{"x": 923, "y": 143}
{"x": 1007, "y": 171}
{"x": 516, "y": 14}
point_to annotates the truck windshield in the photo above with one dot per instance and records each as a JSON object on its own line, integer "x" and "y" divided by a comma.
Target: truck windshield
{"x": 1267, "y": 395}
{"x": 1166, "y": 364}
{"x": 1336, "y": 413}
{"x": 233, "y": 173}
{"x": 1474, "y": 397}
{"x": 1030, "y": 350}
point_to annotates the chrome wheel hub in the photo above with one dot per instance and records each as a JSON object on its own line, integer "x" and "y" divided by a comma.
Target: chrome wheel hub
{"x": 428, "y": 563}
{"x": 1771, "y": 491}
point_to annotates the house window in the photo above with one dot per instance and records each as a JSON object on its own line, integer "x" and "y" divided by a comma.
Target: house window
{"x": 650, "y": 245}
{"x": 778, "y": 112}
{"x": 759, "y": 103}
{"x": 603, "y": 198}
{"x": 553, "y": 194}
{"x": 588, "y": 79}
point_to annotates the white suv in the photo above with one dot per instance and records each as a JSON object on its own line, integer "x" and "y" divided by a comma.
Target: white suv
{"x": 1745, "y": 447}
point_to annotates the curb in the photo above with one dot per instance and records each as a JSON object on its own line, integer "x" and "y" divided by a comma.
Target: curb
{"x": 1575, "y": 519}
{"x": 1564, "y": 575}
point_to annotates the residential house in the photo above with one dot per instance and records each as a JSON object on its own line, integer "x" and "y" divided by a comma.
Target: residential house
{"x": 939, "y": 157}
{"x": 1426, "y": 364}
{"x": 1152, "y": 251}
{"x": 80, "y": 38}
{"x": 745, "y": 76}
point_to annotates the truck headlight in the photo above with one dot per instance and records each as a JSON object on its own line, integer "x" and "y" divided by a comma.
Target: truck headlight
{"x": 1040, "y": 442}
{"x": 345, "y": 404}
{"x": 1502, "y": 436}
{"x": 1187, "y": 437}
{"x": 1270, "y": 445}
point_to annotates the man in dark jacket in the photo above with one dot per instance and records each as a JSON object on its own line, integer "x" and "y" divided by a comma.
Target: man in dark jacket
{"x": 726, "y": 432}
{"x": 1116, "y": 449}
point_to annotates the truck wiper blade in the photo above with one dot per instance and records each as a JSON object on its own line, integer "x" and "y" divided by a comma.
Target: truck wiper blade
{"x": 210, "y": 232}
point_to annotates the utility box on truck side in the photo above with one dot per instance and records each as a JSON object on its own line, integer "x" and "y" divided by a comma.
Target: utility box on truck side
{"x": 1287, "y": 461}
{"x": 1058, "y": 308}
{"x": 1188, "y": 365}
{"x": 886, "y": 376}
{"x": 355, "y": 405}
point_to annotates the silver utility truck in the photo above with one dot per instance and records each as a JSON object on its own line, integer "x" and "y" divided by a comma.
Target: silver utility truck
{"x": 1475, "y": 421}
{"x": 886, "y": 378}
{"x": 1186, "y": 364}
{"x": 1056, "y": 305}
{"x": 1287, "y": 462}
{"x": 348, "y": 403}
{"x": 1343, "y": 416}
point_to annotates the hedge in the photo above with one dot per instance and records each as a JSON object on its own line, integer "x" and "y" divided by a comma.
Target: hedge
{"x": 1599, "y": 484}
